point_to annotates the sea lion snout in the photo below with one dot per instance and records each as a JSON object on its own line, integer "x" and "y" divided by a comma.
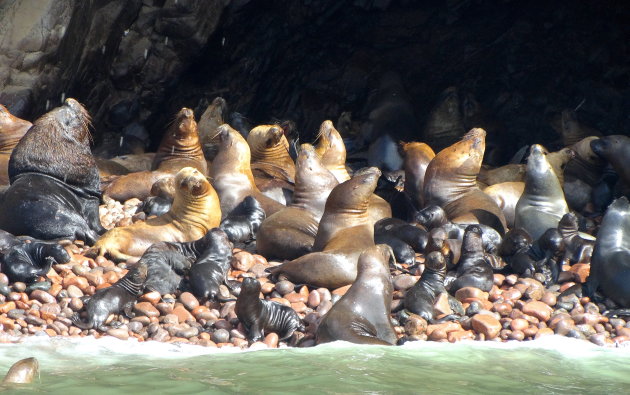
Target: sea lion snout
{"x": 186, "y": 112}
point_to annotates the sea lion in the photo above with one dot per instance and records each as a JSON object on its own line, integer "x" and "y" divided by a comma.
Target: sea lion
{"x": 433, "y": 216}
{"x": 332, "y": 151}
{"x": 264, "y": 316}
{"x": 244, "y": 221}
{"x": 211, "y": 119}
{"x": 195, "y": 210}
{"x": 26, "y": 261}
{"x": 610, "y": 264}
{"x": 450, "y": 182}
{"x": 571, "y": 130}
{"x": 390, "y": 112}
{"x": 415, "y": 236}
{"x": 420, "y": 298}
{"x": 586, "y": 165}
{"x": 542, "y": 203}
{"x": 290, "y": 233}
{"x": 272, "y": 166}
{"x": 615, "y": 149}
{"x": 416, "y": 159}
{"x": 362, "y": 314}
{"x": 22, "y": 372}
{"x": 603, "y": 191}
{"x": 449, "y": 248}
{"x": 232, "y": 175}
{"x": 180, "y": 147}
{"x": 514, "y": 250}
{"x": 345, "y": 231}
{"x": 577, "y": 248}
{"x": 506, "y": 195}
{"x": 55, "y": 184}
{"x": 12, "y": 129}
{"x": 445, "y": 124}
{"x": 473, "y": 269}
{"x": 383, "y": 153}
{"x": 212, "y": 265}
{"x": 512, "y": 172}
{"x": 120, "y": 297}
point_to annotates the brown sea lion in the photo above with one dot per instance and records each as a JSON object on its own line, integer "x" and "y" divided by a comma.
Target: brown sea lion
{"x": 135, "y": 162}
{"x": 362, "y": 314}
{"x": 213, "y": 117}
{"x": 610, "y": 264}
{"x": 12, "y": 129}
{"x": 416, "y": 159}
{"x": 272, "y": 166}
{"x": 512, "y": 172}
{"x": 542, "y": 204}
{"x": 179, "y": 148}
{"x": 331, "y": 149}
{"x": 345, "y": 231}
{"x": 195, "y": 210}
{"x": 586, "y": 165}
{"x": 232, "y": 175}
{"x": 22, "y": 372}
{"x": 445, "y": 124}
{"x": 450, "y": 182}
{"x": 263, "y": 316}
{"x": 506, "y": 195}
{"x": 55, "y": 184}
{"x": 571, "y": 130}
{"x": 616, "y": 150}
{"x": 290, "y": 233}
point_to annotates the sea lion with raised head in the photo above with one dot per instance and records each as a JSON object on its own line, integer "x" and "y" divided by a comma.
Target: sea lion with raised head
{"x": 263, "y": 316}
{"x": 290, "y": 233}
{"x": 180, "y": 147}
{"x": 213, "y": 117}
{"x": 12, "y": 129}
{"x": 55, "y": 184}
{"x": 232, "y": 174}
{"x": 542, "y": 204}
{"x": 417, "y": 157}
{"x": 22, "y": 372}
{"x": 345, "y": 231}
{"x": 332, "y": 151}
{"x": 421, "y": 298}
{"x": 272, "y": 166}
{"x": 473, "y": 268}
{"x": 362, "y": 315}
{"x": 195, "y": 210}
{"x": 610, "y": 263}
{"x": 451, "y": 182}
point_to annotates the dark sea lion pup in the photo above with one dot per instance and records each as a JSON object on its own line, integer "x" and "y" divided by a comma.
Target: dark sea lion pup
{"x": 243, "y": 222}
{"x": 26, "y": 262}
{"x": 473, "y": 270}
{"x": 260, "y": 316}
{"x": 420, "y": 298}
{"x": 610, "y": 264}
{"x": 22, "y": 372}
{"x": 120, "y": 297}
{"x": 55, "y": 183}
{"x": 211, "y": 267}
{"x": 577, "y": 248}
{"x": 362, "y": 314}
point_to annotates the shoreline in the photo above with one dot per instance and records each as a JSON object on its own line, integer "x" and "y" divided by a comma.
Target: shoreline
{"x": 515, "y": 309}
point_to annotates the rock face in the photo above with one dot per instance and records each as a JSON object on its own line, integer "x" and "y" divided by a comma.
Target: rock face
{"x": 119, "y": 57}
{"x": 133, "y": 63}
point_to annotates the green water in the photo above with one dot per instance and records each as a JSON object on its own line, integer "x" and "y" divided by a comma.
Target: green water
{"x": 554, "y": 365}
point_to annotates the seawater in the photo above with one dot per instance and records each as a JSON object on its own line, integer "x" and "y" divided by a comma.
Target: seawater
{"x": 550, "y": 365}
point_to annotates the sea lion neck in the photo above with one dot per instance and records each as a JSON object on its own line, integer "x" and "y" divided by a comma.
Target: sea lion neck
{"x": 313, "y": 182}
{"x": 234, "y": 154}
{"x": 332, "y": 150}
